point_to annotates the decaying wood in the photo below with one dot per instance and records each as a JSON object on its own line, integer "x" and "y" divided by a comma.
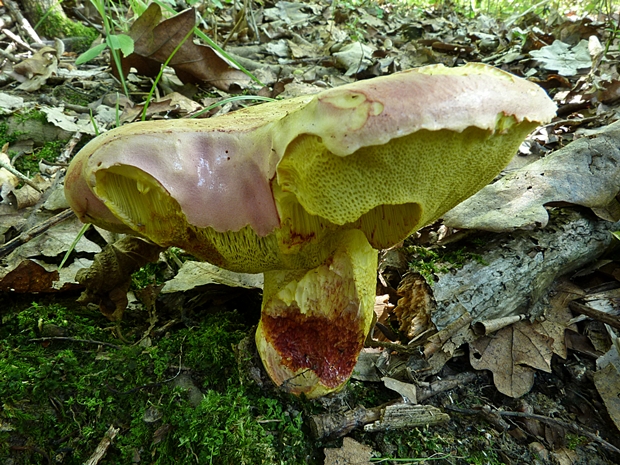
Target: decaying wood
{"x": 516, "y": 269}
{"x": 426, "y": 390}
{"x": 512, "y": 277}
{"x": 386, "y": 416}
{"x": 407, "y": 416}
{"x": 389, "y": 415}
{"x": 336, "y": 425}
{"x": 103, "y": 446}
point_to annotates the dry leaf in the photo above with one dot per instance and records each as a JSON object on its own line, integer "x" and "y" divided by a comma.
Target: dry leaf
{"x": 351, "y": 453}
{"x": 173, "y": 103}
{"x": 8, "y": 181}
{"x": 154, "y": 42}
{"x": 511, "y": 354}
{"x": 34, "y": 71}
{"x": 558, "y": 316}
{"x": 196, "y": 274}
{"x": 415, "y": 306}
{"x": 29, "y": 277}
{"x": 607, "y": 382}
{"x": 108, "y": 279}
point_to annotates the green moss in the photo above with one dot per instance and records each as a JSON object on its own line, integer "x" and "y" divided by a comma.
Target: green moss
{"x": 439, "y": 446}
{"x": 5, "y": 135}
{"x": 431, "y": 262}
{"x": 151, "y": 273}
{"x": 29, "y": 163}
{"x": 70, "y": 94}
{"x": 54, "y": 25}
{"x": 59, "y": 397}
{"x": 31, "y": 114}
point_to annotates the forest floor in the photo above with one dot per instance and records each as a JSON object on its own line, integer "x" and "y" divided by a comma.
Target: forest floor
{"x": 176, "y": 380}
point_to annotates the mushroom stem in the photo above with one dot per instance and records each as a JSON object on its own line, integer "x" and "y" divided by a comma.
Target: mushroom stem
{"x": 314, "y": 322}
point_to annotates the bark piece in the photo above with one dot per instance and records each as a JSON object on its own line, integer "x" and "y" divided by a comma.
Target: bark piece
{"x": 103, "y": 446}
{"x": 407, "y": 416}
{"x": 335, "y": 425}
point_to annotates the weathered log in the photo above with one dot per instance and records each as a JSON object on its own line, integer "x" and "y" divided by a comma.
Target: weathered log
{"x": 512, "y": 276}
{"x": 516, "y": 269}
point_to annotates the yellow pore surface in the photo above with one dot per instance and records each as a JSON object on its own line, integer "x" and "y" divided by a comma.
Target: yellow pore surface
{"x": 386, "y": 191}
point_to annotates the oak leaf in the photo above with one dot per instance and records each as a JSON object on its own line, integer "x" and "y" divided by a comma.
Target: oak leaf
{"x": 512, "y": 354}
{"x": 155, "y": 41}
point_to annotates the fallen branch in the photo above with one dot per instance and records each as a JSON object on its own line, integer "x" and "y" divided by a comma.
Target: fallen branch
{"x": 34, "y": 232}
{"x": 103, "y": 446}
{"x": 547, "y": 420}
{"x": 73, "y": 339}
{"x": 611, "y": 320}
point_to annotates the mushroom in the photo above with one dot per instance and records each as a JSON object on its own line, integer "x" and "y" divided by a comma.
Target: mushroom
{"x": 306, "y": 190}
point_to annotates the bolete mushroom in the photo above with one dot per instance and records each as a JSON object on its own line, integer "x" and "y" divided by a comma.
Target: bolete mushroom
{"x": 305, "y": 190}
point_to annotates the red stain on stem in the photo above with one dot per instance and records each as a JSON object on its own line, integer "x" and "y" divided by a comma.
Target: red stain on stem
{"x": 327, "y": 347}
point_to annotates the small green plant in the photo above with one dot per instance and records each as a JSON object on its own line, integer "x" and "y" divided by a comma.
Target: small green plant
{"x": 149, "y": 274}
{"x": 115, "y": 42}
{"x": 6, "y": 137}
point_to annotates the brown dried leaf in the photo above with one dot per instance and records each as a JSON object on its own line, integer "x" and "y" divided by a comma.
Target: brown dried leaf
{"x": 173, "y": 103}
{"x": 558, "y": 316}
{"x": 607, "y": 382}
{"x": 109, "y": 277}
{"x": 511, "y": 354}
{"x": 351, "y": 453}
{"x": 610, "y": 93}
{"x": 29, "y": 277}
{"x": 154, "y": 42}
{"x": 416, "y": 305}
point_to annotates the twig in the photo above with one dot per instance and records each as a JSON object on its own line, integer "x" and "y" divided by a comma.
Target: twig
{"x": 74, "y": 339}
{"x": 18, "y": 40}
{"x": 9, "y": 56}
{"x": 69, "y": 148}
{"x": 21, "y": 176}
{"x": 103, "y": 446}
{"x": 548, "y": 420}
{"x": 34, "y": 232}
{"x": 235, "y": 27}
{"x": 611, "y": 320}
{"x": 21, "y": 21}
{"x": 412, "y": 349}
